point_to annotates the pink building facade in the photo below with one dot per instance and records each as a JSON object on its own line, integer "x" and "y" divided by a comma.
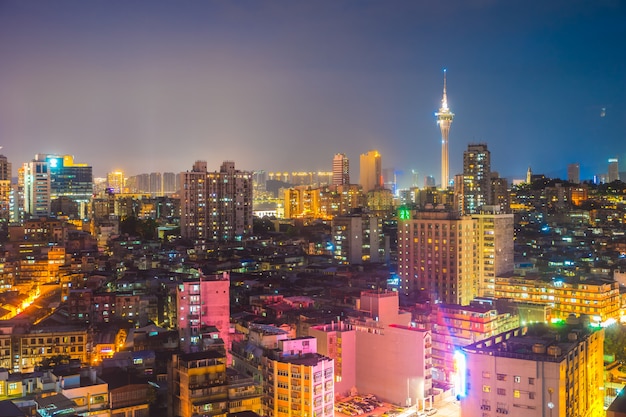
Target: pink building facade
{"x": 201, "y": 304}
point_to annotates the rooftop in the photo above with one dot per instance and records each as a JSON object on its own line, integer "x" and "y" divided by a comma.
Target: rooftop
{"x": 205, "y": 354}
{"x": 536, "y": 343}
{"x": 307, "y": 359}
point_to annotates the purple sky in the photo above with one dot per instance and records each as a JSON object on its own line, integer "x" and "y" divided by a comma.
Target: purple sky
{"x": 284, "y": 85}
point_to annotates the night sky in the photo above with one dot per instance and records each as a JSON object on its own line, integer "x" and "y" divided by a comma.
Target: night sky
{"x": 150, "y": 86}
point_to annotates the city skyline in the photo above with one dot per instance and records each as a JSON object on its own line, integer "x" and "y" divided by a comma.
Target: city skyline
{"x": 153, "y": 87}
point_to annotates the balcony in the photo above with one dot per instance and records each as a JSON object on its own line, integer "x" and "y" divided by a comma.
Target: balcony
{"x": 206, "y": 383}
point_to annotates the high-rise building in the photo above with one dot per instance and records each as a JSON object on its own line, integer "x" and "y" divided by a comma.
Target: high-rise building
{"x": 156, "y": 184}
{"x": 72, "y": 181}
{"x": 198, "y": 384}
{"x": 381, "y": 202}
{"x": 169, "y": 183}
{"x": 5, "y": 190}
{"x": 454, "y": 257}
{"x": 494, "y": 236}
{"x": 500, "y": 195}
{"x": 36, "y": 180}
{"x": 534, "y": 371}
{"x": 17, "y": 197}
{"x": 390, "y": 179}
{"x": 322, "y": 202}
{"x": 444, "y": 120}
{"x": 573, "y": 173}
{"x": 613, "y": 169}
{"x": 259, "y": 181}
{"x": 414, "y": 178}
{"x": 318, "y": 178}
{"x": 116, "y": 182}
{"x": 371, "y": 173}
{"x": 429, "y": 181}
{"x": 341, "y": 169}
{"x": 357, "y": 239}
{"x": 56, "y": 177}
{"x": 216, "y": 206}
{"x": 298, "y": 380}
{"x": 476, "y": 178}
{"x": 202, "y": 303}
{"x": 436, "y": 256}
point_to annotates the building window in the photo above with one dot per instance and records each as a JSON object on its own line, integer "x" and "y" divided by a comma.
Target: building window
{"x": 531, "y": 395}
{"x": 531, "y": 381}
{"x": 517, "y": 379}
{"x": 501, "y": 391}
{"x": 501, "y": 377}
{"x": 516, "y": 393}
{"x": 486, "y": 374}
{"x": 486, "y": 388}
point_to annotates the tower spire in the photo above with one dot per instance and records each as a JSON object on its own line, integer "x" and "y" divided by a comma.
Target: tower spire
{"x": 444, "y": 101}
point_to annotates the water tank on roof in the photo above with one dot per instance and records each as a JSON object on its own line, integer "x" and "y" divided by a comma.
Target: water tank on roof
{"x": 572, "y": 319}
{"x": 539, "y": 348}
{"x": 585, "y": 320}
{"x": 554, "y": 350}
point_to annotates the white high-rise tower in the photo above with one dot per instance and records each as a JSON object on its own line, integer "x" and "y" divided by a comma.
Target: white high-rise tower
{"x": 444, "y": 120}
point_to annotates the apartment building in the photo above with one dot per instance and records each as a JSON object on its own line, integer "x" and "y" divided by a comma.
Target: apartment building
{"x": 595, "y": 297}
{"x": 298, "y": 382}
{"x": 535, "y": 371}
{"x": 197, "y": 384}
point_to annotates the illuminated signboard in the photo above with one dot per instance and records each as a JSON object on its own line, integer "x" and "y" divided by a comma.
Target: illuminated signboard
{"x": 404, "y": 213}
{"x": 460, "y": 373}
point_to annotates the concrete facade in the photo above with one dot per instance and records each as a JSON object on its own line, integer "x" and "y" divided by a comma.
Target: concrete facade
{"x": 554, "y": 372}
